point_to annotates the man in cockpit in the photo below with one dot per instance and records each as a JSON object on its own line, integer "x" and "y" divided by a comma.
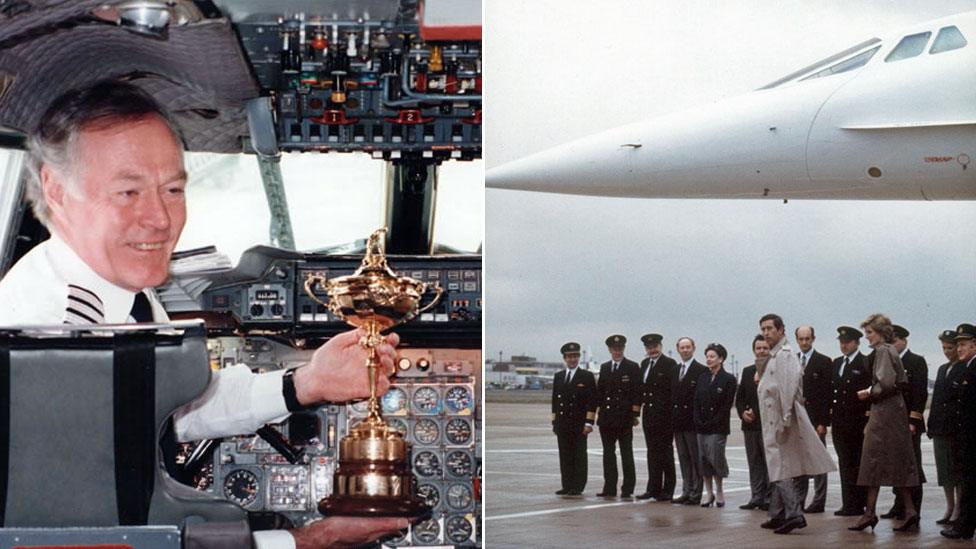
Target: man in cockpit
{"x": 107, "y": 179}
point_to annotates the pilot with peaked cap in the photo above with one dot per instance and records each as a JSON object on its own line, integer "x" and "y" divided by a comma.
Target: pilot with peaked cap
{"x": 573, "y": 410}
{"x": 619, "y": 407}
{"x": 916, "y": 395}
{"x": 961, "y": 421}
{"x": 657, "y": 373}
{"x": 848, "y": 416}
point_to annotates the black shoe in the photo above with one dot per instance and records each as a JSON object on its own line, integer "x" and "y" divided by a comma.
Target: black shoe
{"x": 954, "y": 533}
{"x": 663, "y": 498}
{"x": 749, "y": 506}
{"x": 573, "y": 493}
{"x": 646, "y": 495}
{"x": 910, "y": 524}
{"x": 764, "y": 507}
{"x": 772, "y": 524}
{"x": 693, "y": 501}
{"x": 865, "y": 521}
{"x": 605, "y": 494}
{"x": 719, "y": 504}
{"x": 679, "y": 500}
{"x": 944, "y": 520}
{"x": 709, "y": 502}
{"x": 790, "y": 525}
{"x": 892, "y": 514}
{"x": 626, "y": 495}
{"x": 847, "y": 513}
{"x": 814, "y": 509}
{"x": 561, "y": 492}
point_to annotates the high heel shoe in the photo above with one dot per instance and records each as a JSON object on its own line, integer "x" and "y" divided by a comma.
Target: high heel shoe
{"x": 709, "y": 503}
{"x": 910, "y": 524}
{"x": 945, "y": 520}
{"x": 865, "y": 521}
{"x": 720, "y": 504}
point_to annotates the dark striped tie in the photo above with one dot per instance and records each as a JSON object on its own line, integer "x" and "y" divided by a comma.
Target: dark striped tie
{"x": 141, "y": 309}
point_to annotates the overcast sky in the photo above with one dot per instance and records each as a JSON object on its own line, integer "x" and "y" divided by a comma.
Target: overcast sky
{"x": 580, "y": 268}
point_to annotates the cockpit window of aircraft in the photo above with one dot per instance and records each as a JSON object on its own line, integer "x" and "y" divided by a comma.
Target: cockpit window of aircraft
{"x": 948, "y": 39}
{"x": 910, "y": 46}
{"x": 855, "y": 62}
{"x": 332, "y": 200}
{"x": 852, "y": 58}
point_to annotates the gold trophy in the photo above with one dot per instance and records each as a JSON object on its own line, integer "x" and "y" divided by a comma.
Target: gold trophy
{"x": 374, "y": 475}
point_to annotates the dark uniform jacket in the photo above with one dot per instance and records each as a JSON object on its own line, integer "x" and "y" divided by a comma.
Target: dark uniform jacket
{"x": 937, "y": 411}
{"x": 656, "y": 392}
{"x": 917, "y": 391}
{"x": 713, "y": 402}
{"x": 818, "y": 386}
{"x": 619, "y": 395}
{"x": 746, "y": 398}
{"x": 846, "y": 410}
{"x": 960, "y": 385}
{"x": 573, "y": 404}
{"x": 683, "y": 396}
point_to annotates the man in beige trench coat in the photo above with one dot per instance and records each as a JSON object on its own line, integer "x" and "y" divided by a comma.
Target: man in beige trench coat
{"x": 793, "y": 448}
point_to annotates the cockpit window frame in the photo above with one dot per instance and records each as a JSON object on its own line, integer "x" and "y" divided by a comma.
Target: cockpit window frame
{"x": 824, "y": 63}
{"x": 904, "y": 42}
{"x": 941, "y": 33}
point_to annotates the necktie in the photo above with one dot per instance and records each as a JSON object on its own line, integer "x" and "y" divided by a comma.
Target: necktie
{"x": 803, "y": 361}
{"x": 682, "y": 376}
{"x": 843, "y": 371}
{"x": 647, "y": 374}
{"x": 141, "y": 309}
{"x": 614, "y": 367}
{"x": 569, "y": 377}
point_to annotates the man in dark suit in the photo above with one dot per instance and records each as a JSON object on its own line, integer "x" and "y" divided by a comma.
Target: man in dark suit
{"x": 683, "y": 388}
{"x": 916, "y": 394}
{"x": 657, "y": 375}
{"x": 817, "y": 388}
{"x": 960, "y": 417}
{"x": 848, "y": 416}
{"x": 619, "y": 408}
{"x": 747, "y": 405}
{"x": 573, "y": 410}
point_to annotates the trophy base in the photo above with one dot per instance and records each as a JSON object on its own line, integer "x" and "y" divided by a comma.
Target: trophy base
{"x": 375, "y": 507}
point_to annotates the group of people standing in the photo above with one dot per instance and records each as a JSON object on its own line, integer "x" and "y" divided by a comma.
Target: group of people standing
{"x": 872, "y": 404}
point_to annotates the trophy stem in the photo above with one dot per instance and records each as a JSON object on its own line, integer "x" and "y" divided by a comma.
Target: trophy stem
{"x": 370, "y": 342}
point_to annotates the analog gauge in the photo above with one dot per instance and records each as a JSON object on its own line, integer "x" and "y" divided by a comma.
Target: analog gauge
{"x": 426, "y": 431}
{"x": 361, "y": 407}
{"x": 394, "y": 401}
{"x": 397, "y": 425}
{"x": 458, "y": 431}
{"x": 459, "y": 464}
{"x": 427, "y": 464}
{"x": 426, "y": 400}
{"x": 430, "y": 494}
{"x": 458, "y": 399}
{"x": 459, "y": 496}
{"x": 427, "y": 531}
{"x": 404, "y": 363}
{"x": 458, "y": 529}
{"x": 241, "y": 487}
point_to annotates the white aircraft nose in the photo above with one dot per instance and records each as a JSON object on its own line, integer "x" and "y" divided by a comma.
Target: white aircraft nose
{"x": 746, "y": 147}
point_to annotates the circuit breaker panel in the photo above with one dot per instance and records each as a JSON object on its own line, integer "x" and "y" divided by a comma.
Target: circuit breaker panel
{"x": 383, "y": 81}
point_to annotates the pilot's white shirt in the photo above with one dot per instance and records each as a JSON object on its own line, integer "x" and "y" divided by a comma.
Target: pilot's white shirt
{"x": 52, "y": 285}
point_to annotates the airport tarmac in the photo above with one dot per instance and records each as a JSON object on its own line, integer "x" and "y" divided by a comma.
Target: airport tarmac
{"x": 521, "y": 510}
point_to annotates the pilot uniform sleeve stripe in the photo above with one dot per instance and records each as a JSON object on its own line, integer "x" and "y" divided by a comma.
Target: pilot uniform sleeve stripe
{"x": 75, "y": 312}
{"x": 916, "y": 415}
{"x": 81, "y": 305}
{"x": 86, "y": 291}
